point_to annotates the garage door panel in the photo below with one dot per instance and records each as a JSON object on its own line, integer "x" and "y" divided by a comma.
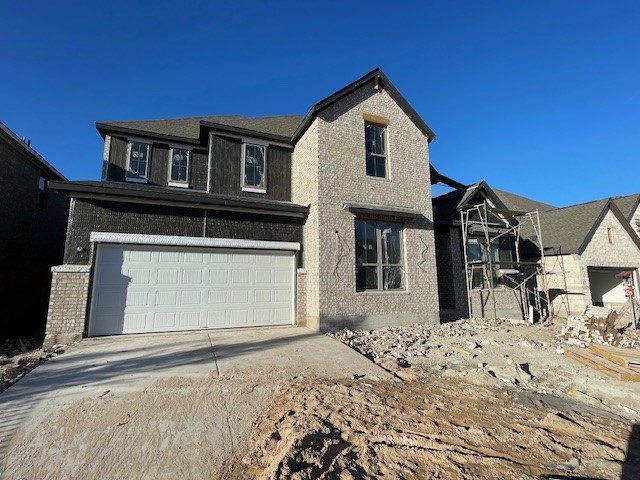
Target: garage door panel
{"x": 220, "y": 277}
{"x": 240, "y": 277}
{"x": 167, "y": 276}
{"x": 153, "y": 289}
{"x": 192, "y": 277}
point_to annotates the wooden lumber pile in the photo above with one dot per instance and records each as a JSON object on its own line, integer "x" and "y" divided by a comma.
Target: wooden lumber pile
{"x": 619, "y": 363}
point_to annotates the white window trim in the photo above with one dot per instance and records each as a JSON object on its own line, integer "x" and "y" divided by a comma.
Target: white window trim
{"x": 130, "y": 141}
{"x": 387, "y": 162}
{"x": 253, "y": 188}
{"x": 177, "y": 183}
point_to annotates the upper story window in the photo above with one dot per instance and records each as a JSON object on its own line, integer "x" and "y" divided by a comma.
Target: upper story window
{"x": 139, "y": 157}
{"x": 42, "y": 192}
{"x": 376, "y": 148}
{"x": 180, "y": 160}
{"x": 254, "y": 168}
{"x": 379, "y": 256}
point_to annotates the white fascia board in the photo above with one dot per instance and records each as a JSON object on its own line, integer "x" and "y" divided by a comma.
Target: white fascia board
{"x": 167, "y": 240}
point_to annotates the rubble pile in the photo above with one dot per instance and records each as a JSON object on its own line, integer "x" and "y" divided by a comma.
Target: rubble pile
{"x": 19, "y": 357}
{"x": 402, "y": 343}
{"x": 584, "y": 329}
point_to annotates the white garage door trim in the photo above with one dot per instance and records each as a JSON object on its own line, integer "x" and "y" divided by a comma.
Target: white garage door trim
{"x": 227, "y": 313}
{"x": 167, "y": 240}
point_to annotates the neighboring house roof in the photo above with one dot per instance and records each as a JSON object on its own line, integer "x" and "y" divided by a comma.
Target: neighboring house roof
{"x": 437, "y": 177}
{"x": 628, "y": 205}
{"x": 520, "y": 203}
{"x": 189, "y": 128}
{"x": 286, "y": 128}
{"x": 50, "y": 173}
{"x": 446, "y": 208}
{"x": 569, "y": 230}
{"x": 140, "y": 193}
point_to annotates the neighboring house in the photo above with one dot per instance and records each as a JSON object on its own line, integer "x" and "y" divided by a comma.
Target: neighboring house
{"x": 589, "y": 246}
{"x": 32, "y": 232}
{"x": 630, "y": 207}
{"x": 453, "y": 273}
{"x": 587, "y": 250}
{"x": 227, "y": 221}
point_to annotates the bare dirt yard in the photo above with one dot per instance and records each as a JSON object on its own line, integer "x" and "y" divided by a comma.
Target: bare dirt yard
{"x": 474, "y": 399}
{"x": 471, "y": 399}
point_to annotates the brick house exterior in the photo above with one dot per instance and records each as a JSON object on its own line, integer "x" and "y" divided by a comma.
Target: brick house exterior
{"x": 586, "y": 248}
{"x": 32, "y": 233}
{"x": 316, "y": 184}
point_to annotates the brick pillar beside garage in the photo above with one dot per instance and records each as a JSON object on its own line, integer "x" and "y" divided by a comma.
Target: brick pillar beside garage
{"x": 67, "y": 304}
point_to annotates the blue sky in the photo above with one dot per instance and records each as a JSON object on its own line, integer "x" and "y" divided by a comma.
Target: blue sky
{"x": 541, "y": 98}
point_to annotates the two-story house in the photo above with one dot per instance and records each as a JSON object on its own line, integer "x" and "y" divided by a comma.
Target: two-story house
{"x": 32, "y": 228}
{"x": 228, "y": 221}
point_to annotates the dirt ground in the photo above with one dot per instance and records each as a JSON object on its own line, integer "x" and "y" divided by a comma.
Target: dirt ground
{"x": 432, "y": 428}
{"x": 480, "y": 399}
{"x": 472, "y": 399}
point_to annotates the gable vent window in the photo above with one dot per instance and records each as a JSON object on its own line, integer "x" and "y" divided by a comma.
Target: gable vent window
{"x": 376, "y": 147}
{"x": 179, "y": 167}
{"x": 610, "y": 235}
{"x": 139, "y": 156}
{"x": 254, "y": 168}
{"x": 42, "y": 192}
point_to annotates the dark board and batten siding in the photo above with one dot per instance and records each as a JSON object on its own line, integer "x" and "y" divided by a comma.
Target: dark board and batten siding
{"x": 158, "y": 164}
{"x": 103, "y": 216}
{"x": 226, "y": 170}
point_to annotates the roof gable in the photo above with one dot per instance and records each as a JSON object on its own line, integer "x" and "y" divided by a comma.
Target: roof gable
{"x": 379, "y": 80}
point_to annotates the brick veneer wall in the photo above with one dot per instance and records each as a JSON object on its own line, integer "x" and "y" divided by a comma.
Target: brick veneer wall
{"x": 329, "y": 169}
{"x": 622, "y": 254}
{"x": 67, "y": 304}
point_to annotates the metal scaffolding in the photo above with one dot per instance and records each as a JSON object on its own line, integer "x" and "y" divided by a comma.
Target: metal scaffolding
{"x": 487, "y": 270}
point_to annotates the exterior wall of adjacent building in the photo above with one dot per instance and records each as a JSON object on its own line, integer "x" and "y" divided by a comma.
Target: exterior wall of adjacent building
{"x": 341, "y": 177}
{"x": 635, "y": 221}
{"x": 622, "y": 254}
{"x": 31, "y": 240}
{"x": 452, "y": 288}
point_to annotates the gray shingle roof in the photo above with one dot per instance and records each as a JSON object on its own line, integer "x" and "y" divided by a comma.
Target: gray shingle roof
{"x": 567, "y": 228}
{"x": 521, "y": 204}
{"x": 190, "y": 127}
{"x": 628, "y": 205}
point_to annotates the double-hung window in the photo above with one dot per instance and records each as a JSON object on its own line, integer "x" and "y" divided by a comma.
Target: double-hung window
{"x": 379, "y": 256}
{"x": 180, "y": 159}
{"x": 254, "y": 167}
{"x": 376, "y": 148}
{"x": 139, "y": 157}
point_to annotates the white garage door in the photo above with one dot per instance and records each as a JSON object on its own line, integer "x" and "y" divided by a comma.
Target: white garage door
{"x": 160, "y": 289}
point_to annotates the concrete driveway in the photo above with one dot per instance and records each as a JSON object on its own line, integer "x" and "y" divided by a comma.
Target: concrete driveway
{"x": 157, "y": 405}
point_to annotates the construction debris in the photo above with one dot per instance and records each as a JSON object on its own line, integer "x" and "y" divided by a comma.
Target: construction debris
{"x": 598, "y": 325}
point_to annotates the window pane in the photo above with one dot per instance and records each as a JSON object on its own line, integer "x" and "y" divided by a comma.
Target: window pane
{"x": 371, "y": 165}
{"x": 179, "y": 164}
{"x": 374, "y": 139}
{"x": 138, "y": 160}
{"x": 380, "y": 170}
{"x": 474, "y": 251}
{"x": 366, "y": 278}
{"x": 254, "y": 166}
{"x": 360, "y": 242}
{"x": 371, "y": 243}
{"x": 392, "y": 278}
{"x": 390, "y": 240}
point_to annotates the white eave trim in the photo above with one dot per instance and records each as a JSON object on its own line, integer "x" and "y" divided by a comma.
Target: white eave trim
{"x": 167, "y": 240}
